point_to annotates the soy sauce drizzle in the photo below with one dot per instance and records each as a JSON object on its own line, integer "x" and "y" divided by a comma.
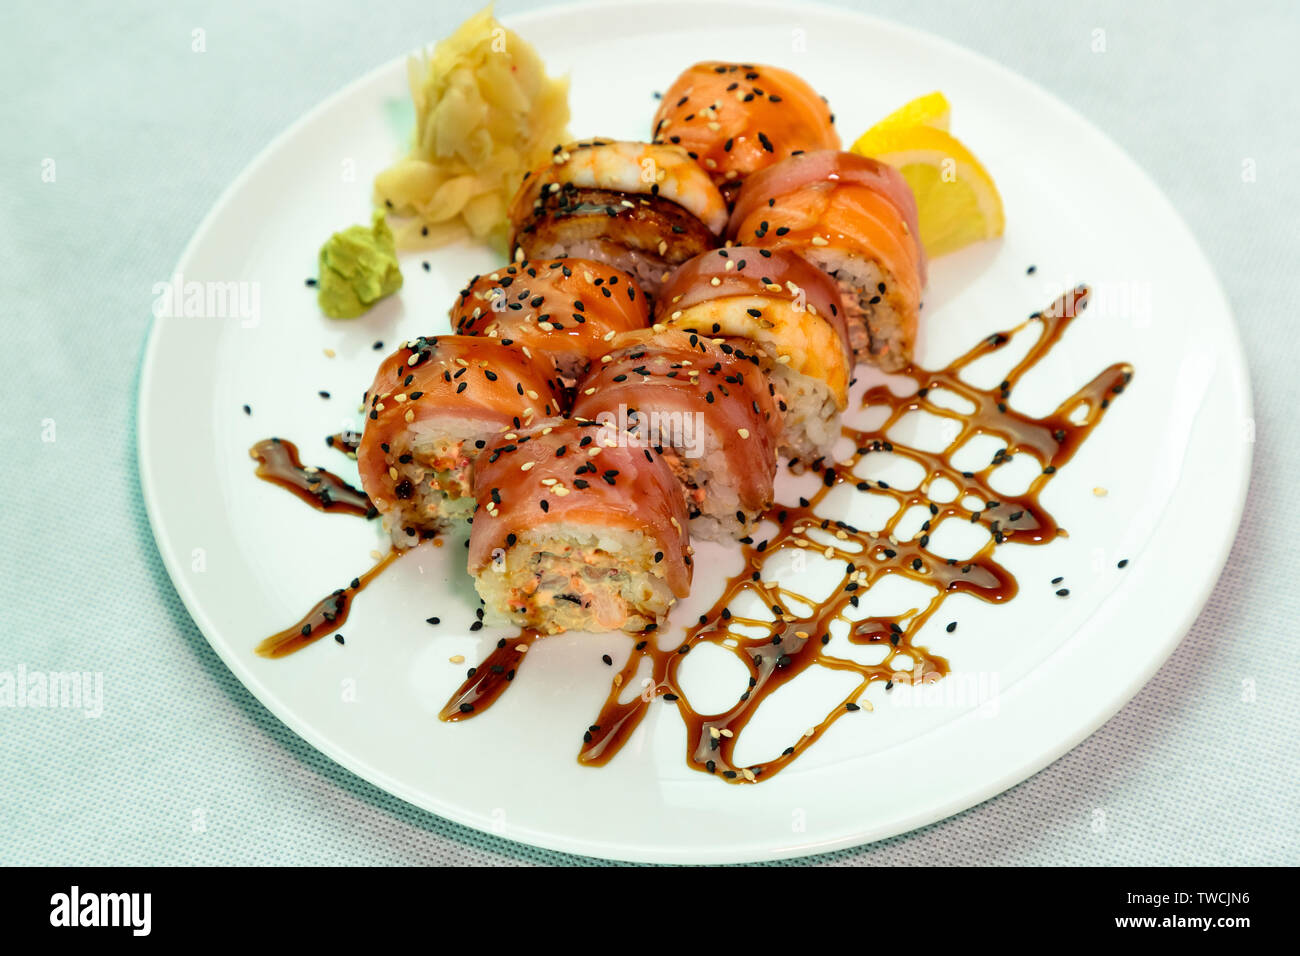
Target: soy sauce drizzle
{"x": 490, "y": 679}
{"x": 795, "y": 636}
{"x": 347, "y": 442}
{"x": 325, "y": 618}
{"x": 278, "y": 463}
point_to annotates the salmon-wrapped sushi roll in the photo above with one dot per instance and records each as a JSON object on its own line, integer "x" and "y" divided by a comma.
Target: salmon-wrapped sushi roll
{"x": 560, "y": 311}
{"x": 434, "y": 405}
{"x": 792, "y": 314}
{"x": 710, "y": 411}
{"x": 577, "y": 529}
{"x": 640, "y": 207}
{"x": 855, "y": 218}
{"x": 738, "y": 118}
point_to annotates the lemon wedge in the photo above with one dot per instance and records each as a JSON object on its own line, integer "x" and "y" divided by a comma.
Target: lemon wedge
{"x": 956, "y": 199}
{"x": 929, "y": 110}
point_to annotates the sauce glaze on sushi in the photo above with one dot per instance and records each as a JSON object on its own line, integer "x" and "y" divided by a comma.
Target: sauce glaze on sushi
{"x": 641, "y": 207}
{"x": 563, "y": 311}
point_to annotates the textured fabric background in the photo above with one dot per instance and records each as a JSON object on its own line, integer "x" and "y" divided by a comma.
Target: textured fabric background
{"x": 145, "y": 134}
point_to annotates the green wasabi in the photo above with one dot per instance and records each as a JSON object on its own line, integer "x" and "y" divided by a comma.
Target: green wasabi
{"x": 358, "y": 267}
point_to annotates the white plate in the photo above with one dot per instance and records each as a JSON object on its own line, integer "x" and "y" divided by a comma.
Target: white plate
{"x": 248, "y": 559}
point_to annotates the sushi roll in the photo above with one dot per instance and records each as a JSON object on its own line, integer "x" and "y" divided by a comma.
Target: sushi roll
{"x": 854, "y": 218}
{"x": 709, "y": 411}
{"x": 641, "y": 207}
{"x": 788, "y": 315}
{"x": 738, "y": 118}
{"x": 562, "y": 311}
{"x": 577, "y": 529}
{"x": 435, "y": 403}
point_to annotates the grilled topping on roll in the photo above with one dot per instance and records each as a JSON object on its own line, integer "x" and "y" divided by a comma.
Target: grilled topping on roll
{"x": 854, "y": 218}
{"x": 792, "y": 313}
{"x": 710, "y": 411}
{"x": 564, "y": 310}
{"x": 578, "y": 528}
{"x": 640, "y": 207}
{"x": 738, "y": 118}
{"x": 435, "y": 403}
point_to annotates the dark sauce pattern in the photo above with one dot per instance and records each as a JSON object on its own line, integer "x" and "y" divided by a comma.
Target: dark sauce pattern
{"x": 347, "y": 442}
{"x": 278, "y": 463}
{"x": 485, "y": 683}
{"x": 791, "y": 639}
{"x": 326, "y": 617}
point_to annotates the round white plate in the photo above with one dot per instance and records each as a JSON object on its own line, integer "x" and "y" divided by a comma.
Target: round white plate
{"x": 1030, "y": 679}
